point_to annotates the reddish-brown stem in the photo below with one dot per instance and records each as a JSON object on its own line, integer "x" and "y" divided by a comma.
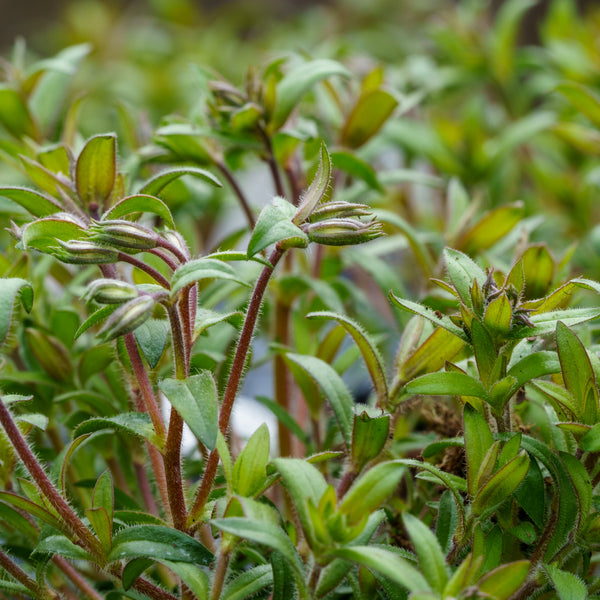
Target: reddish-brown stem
{"x": 281, "y": 376}
{"x": 187, "y": 299}
{"x": 237, "y": 371}
{"x": 346, "y": 482}
{"x": 176, "y": 252}
{"x": 145, "y": 386}
{"x": 142, "y": 266}
{"x": 8, "y": 565}
{"x": 237, "y": 190}
{"x": 71, "y": 520}
{"x": 220, "y": 572}
{"x": 144, "y": 485}
{"x": 172, "y": 453}
{"x": 76, "y": 579}
{"x": 165, "y": 257}
{"x": 272, "y": 163}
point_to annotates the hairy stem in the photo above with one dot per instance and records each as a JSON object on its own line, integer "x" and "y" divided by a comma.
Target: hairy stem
{"x": 145, "y": 385}
{"x": 235, "y": 377}
{"x": 142, "y": 266}
{"x": 76, "y": 579}
{"x": 237, "y": 190}
{"x": 172, "y": 454}
{"x": 9, "y": 566}
{"x": 281, "y": 375}
{"x": 272, "y": 164}
{"x": 220, "y": 572}
{"x": 71, "y": 520}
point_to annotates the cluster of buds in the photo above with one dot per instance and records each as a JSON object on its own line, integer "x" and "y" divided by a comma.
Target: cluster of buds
{"x": 490, "y": 292}
{"x": 127, "y": 317}
{"x": 340, "y": 224}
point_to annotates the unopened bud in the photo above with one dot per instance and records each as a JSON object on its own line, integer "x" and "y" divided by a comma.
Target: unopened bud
{"x": 80, "y": 252}
{"x": 342, "y": 232}
{"x": 127, "y": 317}
{"x": 339, "y": 210}
{"x": 175, "y": 239}
{"x": 110, "y": 291}
{"x": 123, "y": 234}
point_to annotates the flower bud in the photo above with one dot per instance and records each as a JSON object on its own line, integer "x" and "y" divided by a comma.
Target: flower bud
{"x": 110, "y": 291}
{"x": 127, "y": 317}
{"x": 123, "y": 234}
{"x": 176, "y": 240}
{"x": 80, "y": 252}
{"x": 342, "y": 232}
{"x": 339, "y": 210}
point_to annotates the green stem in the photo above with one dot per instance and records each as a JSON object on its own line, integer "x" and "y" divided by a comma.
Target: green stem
{"x": 71, "y": 520}
{"x": 235, "y": 377}
{"x": 220, "y": 572}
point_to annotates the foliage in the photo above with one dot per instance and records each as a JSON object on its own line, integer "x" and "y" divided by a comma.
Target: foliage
{"x": 414, "y": 239}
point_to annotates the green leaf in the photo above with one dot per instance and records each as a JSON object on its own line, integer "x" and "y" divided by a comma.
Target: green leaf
{"x": 284, "y": 582}
{"x": 152, "y": 337}
{"x": 447, "y": 383}
{"x": 333, "y": 387}
{"x": 298, "y": 82}
{"x": 367, "y": 117}
{"x": 491, "y": 228}
{"x": 38, "y": 204}
{"x": 195, "y": 399}
{"x": 501, "y": 485}
{"x": 63, "y": 546}
{"x": 478, "y": 440}
{"x": 248, "y": 583}
{"x": 483, "y": 348}
{"x": 160, "y": 543}
{"x": 101, "y": 523}
{"x": 140, "y": 203}
{"x": 590, "y": 442}
{"x": 303, "y": 482}
{"x": 396, "y": 568}
{"x": 357, "y": 168}
{"x": 368, "y": 349}
{"x": 567, "y": 585}
{"x": 533, "y": 366}
{"x": 44, "y": 233}
{"x": 429, "y": 552}
{"x": 447, "y": 521}
{"x": 104, "y": 494}
{"x": 503, "y": 582}
{"x": 267, "y": 534}
{"x": 134, "y": 569}
{"x": 96, "y": 169}
{"x": 250, "y": 469}
{"x": 370, "y": 490}
{"x": 463, "y": 271}
{"x": 545, "y": 323}
{"x": 95, "y": 318}
{"x": 275, "y": 224}
{"x": 14, "y": 114}
{"x": 369, "y": 435}
{"x": 159, "y": 182}
{"x": 194, "y": 577}
{"x": 317, "y": 189}
{"x": 577, "y": 373}
{"x": 430, "y": 315}
{"x": 284, "y": 417}
{"x": 138, "y": 424}
{"x": 583, "y": 98}
{"x": 34, "y": 509}
{"x": 498, "y": 316}
{"x": 202, "y": 268}
{"x": 10, "y": 289}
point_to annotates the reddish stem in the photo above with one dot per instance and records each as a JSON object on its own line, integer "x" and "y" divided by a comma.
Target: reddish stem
{"x": 76, "y": 579}
{"x": 142, "y": 266}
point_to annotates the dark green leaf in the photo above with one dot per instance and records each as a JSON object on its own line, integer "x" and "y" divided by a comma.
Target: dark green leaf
{"x": 38, "y": 204}
{"x": 155, "y": 186}
{"x": 138, "y": 424}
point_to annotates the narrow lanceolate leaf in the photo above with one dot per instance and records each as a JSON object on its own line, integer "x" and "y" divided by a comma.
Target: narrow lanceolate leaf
{"x": 577, "y": 372}
{"x": 503, "y": 582}
{"x": 264, "y": 533}
{"x": 368, "y": 349}
{"x": 429, "y": 552}
{"x": 583, "y": 99}
{"x": 14, "y": 113}
{"x": 369, "y": 114}
{"x": 478, "y": 440}
{"x": 567, "y": 585}
{"x": 498, "y": 316}
{"x": 298, "y": 81}
{"x": 370, "y": 490}
{"x": 140, "y": 203}
{"x": 138, "y": 424}
{"x": 158, "y": 542}
{"x": 545, "y": 323}
{"x": 396, "y": 568}
{"x": 96, "y": 169}
{"x": 501, "y": 485}
{"x": 30, "y": 507}
{"x": 159, "y": 182}
{"x": 250, "y": 469}
{"x": 10, "y": 288}
{"x": 430, "y": 315}
{"x": 248, "y": 583}
{"x": 202, "y": 268}
{"x": 317, "y": 189}
{"x": 101, "y": 524}
{"x": 463, "y": 271}
{"x": 332, "y": 386}
{"x": 369, "y": 435}
{"x": 36, "y": 203}
{"x": 274, "y": 225}
{"x": 195, "y": 399}
{"x": 447, "y": 383}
